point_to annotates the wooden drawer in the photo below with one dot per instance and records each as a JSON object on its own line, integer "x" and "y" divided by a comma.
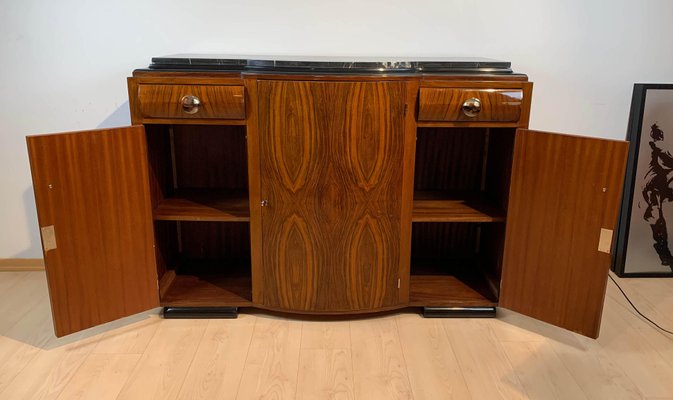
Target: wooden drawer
{"x": 446, "y": 104}
{"x": 177, "y": 101}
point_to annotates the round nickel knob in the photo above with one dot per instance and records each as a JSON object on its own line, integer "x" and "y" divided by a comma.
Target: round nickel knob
{"x": 190, "y": 104}
{"x": 472, "y": 107}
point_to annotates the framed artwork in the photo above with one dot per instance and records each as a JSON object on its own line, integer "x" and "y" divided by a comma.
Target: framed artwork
{"x": 645, "y": 230}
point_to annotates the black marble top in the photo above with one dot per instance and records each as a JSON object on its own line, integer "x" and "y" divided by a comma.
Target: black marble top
{"x": 343, "y": 65}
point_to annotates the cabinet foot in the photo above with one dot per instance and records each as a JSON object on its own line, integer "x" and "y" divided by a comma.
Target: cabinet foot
{"x": 458, "y": 312}
{"x": 200, "y": 312}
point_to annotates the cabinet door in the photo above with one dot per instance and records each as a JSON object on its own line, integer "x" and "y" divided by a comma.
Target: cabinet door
{"x": 332, "y": 175}
{"x": 563, "y": 206}
{"x": 93, "y": 206}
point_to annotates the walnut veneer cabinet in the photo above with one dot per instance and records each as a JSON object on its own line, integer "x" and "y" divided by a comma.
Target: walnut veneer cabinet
{"x": 326, "y": 187}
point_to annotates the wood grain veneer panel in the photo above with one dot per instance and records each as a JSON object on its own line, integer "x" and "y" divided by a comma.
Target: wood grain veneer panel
{"x": 564, "y": 190}
{"x": 331, "y": 169}
{"x": 92, "y": 188}
{"x": 217, "y": 101}
{"x": 445, "y": 104}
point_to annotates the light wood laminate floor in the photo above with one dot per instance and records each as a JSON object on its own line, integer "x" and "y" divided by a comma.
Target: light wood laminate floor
{"x": 394, "y": 356}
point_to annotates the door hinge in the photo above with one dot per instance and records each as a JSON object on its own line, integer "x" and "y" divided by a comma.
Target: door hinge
{"x": 399, "y": 282}
{"x": 605, "y": 241}
{"x": 48, "y": 238}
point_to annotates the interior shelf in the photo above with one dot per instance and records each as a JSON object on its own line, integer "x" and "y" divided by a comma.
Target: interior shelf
{"x": 456, "y": 283}
{"x": 449, "y": 291}
{"x": 206, "y": 290}
{"x": 204, "y": 205}
{"x": 432, "y": 206}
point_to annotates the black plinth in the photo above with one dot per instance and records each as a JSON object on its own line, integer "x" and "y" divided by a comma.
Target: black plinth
{"x": 459, "y": 312}
{"x": 200, "y": 312}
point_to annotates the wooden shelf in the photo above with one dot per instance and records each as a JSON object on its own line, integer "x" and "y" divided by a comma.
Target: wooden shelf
{"x": 451, "y": 283}
{"x": 449, "y": 291}
{"x": 440, "y": 207}
{"x": 203, "y": 205}
{"x": 212, "y": 290}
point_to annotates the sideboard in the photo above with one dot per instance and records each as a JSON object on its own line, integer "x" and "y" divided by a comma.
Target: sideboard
{"x": 326, "y": 186}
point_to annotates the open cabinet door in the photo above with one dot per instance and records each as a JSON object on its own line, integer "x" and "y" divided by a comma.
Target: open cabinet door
{"x": 95, "y": 216}
{"x": 563, "y": 206}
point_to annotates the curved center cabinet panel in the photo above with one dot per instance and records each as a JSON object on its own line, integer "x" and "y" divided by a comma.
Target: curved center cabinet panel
{"x": 327, "y": 187}
{"x": 331, "y": 169}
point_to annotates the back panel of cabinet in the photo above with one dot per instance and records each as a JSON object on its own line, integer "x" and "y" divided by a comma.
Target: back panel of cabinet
{"x": 461, "y": 187}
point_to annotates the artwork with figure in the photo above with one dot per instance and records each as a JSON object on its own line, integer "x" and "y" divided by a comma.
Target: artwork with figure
{"x": 657, "y": 191}
{"x": 643, "y": 246}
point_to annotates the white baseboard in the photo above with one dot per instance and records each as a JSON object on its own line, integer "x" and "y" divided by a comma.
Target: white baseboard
{"x": 21, "y": 264}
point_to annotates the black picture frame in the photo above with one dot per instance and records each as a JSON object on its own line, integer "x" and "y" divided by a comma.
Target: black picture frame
{"x": 634, "y": 136}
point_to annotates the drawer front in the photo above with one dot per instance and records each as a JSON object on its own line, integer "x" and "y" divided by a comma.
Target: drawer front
{"x": 192, "y": 101}
{"x": 482, "y": 105}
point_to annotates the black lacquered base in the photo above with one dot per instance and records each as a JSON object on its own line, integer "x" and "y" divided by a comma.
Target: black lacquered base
{"x": 459, "y": 312}
{"x": 200, "y": 312}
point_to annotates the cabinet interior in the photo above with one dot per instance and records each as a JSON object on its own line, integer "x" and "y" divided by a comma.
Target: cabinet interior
{"x": 199, "y": 186}
{"x": 461, "y": 185}
{"x": 198, "y": 177}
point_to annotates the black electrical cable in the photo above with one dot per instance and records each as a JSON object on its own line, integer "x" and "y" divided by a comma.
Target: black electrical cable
{"x": 635, "y": 308}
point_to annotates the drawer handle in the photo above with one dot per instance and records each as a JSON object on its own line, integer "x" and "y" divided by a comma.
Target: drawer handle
{"x": 472, "y": 107}
{"x": 190, "y": 104}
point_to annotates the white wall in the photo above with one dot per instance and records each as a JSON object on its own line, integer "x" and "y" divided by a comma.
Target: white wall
{"x": 63, "y": 64}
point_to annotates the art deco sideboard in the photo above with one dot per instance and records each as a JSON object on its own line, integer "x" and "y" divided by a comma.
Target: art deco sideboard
{"x": 326, "y": 186}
